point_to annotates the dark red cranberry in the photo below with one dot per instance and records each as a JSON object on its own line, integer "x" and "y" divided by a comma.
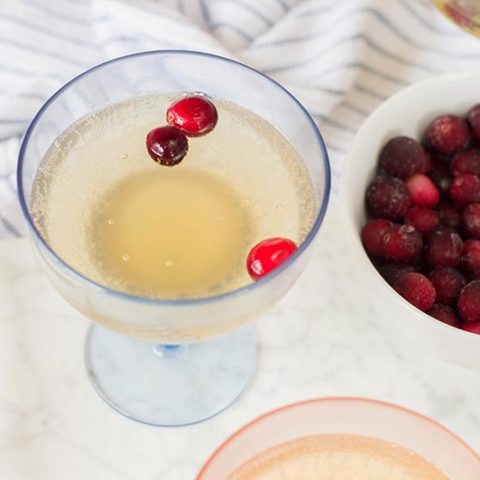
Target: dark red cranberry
{"x": 471, "y": 220}
{"x": 422, "y": 191}
{"x": 448, "y": 282}
{"x": 402, "y": 243}
{"x": 444, "y": 313}
{"x": 471, "y": 257}
{"x": 416, "y": 289}
{"x": 444, "y": 247}
{"x": 473, "y": 118}
{"x": 390, "y": 271}
{"x": 194, "y": 115}
{"x": 465, "y": 189}
{"x": 372, "y": 236}
{"x": 469, "y": 302}
{"x": 167, "y": 145}
{"x": 449, "y": 216}
{"x": 430, "y": 161}
{"x": 472, "y": 327}
{"x": 403, "y": 157}
{"x": 387, "y": 197}
{"x": 267, "y": 255}
{"x": 441, "y": 177}
{"x": 423, "y": 219}
{"x": 448, "y": 133}
{"x": 466, "y": 161}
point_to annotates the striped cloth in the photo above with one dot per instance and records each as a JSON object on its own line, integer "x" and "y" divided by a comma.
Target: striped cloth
{"x": 341, "y": 58}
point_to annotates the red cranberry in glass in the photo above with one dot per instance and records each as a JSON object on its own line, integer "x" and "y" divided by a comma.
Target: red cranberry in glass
{"x": 471, "y": 257}
{"x": 403, "y": 157}
{"x": 471, "y": 220}
{"x": 448, "y": 134}
{"x": 390, "y": 271}
{"x": 422, "y": 191}
{"x": 469, "y": 302}
{"x": 444, "y": 247}
{"x": 449, "y": 216}
{"x": 466, "y": 161}
{"x": 402, "y": 243}
{"x": 473, "y": 118}
{"x": 423, "y": 219}
{"x": 167, "y": 145}
{"x": 465, "y": 189}
{"x": 448, "y": 282}
{"x": 444, "y": 313}
{"x": 372, "y": 236}
{"x": 416, "y": 289}
{"x": 194, "y": 115}
{"x": 269, "y": 254}
{"x": 387, "y": 197}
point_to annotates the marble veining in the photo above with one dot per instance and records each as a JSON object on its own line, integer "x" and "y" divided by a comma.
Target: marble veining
{"x": 323, "y": 339}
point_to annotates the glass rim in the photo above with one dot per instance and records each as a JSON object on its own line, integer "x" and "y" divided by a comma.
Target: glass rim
{"x": 291, "y": 406}
{"x": 182, "y": 301}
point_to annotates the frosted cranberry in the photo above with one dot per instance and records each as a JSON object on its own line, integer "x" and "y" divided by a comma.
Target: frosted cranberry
{"x": 469, "y": 302}
{"x": 194, "y": 115}
{"x": 422, "y": 191}
{"x": 471, "y": 257}
{"x": 466, "y": 161}
{"x": 473, "y": 118}
{"x": 441, "y": 177}
{"x": 444, "y": 247}
{"x": 471, "y": 220}
{"x": 472, "y": 327}
{"x": 403, "y": 157}
{"x": 387, "y": 197}
{"x": 449, "y": 216}
{"x": 402, "y": 243}
{"x": 448, "y": 282}
{"x": 416, "y": 289}
{"x": 448, "y": 134}
{"x": 465, "y": 189}
{"x": 429, "y": 161}
{"x": 390, "y": 271}
{"x": 269, "y": 254}
{"x": 423, "y": 219}
{"x": 372, "y": 236}
{"x": 167, "y": 145}
{"x": 444, "y": 313}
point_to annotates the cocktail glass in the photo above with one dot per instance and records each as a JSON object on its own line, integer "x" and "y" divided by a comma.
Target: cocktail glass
{"x": 171, "y": 362}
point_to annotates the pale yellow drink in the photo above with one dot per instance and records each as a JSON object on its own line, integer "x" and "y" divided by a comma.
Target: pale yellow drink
{"x": 337, "y": 457}
{"x": 125, "y": 222}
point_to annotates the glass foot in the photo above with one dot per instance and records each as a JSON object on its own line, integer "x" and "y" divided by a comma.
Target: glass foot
{"x": 169, "y": 386}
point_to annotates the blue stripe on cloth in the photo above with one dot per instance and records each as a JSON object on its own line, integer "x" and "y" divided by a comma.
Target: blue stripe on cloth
{"x": 369, "y": 92}
{"x": 9, "y": 227}
{"x": 324, "y": 119}
{"x": 253, "y": 11}
{"x": 233, "y": 28}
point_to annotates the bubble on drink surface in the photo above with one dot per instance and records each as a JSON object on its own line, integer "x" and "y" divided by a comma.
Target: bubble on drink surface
{"x": 124, "y": 156}
{"x": 168, "y": 263}
{"x": 111, "y": 221}
{"x": 126, "y": 257}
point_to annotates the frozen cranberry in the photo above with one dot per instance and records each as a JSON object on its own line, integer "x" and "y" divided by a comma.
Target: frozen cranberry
{"x": 469, "y": 302}
{"x": 402, "y": 243}
{"x": 390, "y": 271}
{"x": 465, "y": 189}
{"x": 423, "y": 219}
{"x": 194, "y": 115}
{"x": 444, "y": 313}
{"x": 471, "y": 257}
{"x": 448, "y": 282}
{"x": 472, "y": 327}
{"x": 372, "y": 236}
{"x": 471, "y": 220}
{"x": 448, "y": 134}
{"x": 473, "y": 118}
{"x": 387, "y": 197}
{"x": 444, "y": 247}
{"x": 416, "y": 289}
{"x": 441, "y": 177}
{"x": 403, "y": 157}
{"x": 167, "y": 145}
{"x": 422, "y": 191}
{"x": 267, "y": 255}
{"x": 466, "y": 161}
{"x": 449, "y": 216}
{"x": 429, "y": 161}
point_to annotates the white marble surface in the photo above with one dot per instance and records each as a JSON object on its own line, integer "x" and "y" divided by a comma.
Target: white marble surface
{"x": 322, "y": 340}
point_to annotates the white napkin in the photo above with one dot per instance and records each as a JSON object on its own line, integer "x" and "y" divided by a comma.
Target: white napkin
{"x": 341, "y": 58}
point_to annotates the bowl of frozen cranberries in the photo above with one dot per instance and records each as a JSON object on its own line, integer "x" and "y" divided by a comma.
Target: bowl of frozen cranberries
{"x": 411, "y": 198}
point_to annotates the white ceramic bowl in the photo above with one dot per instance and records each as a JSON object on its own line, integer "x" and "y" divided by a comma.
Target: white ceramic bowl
{"x": 407, "y": 113}
{"x": 355, "y": 416}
